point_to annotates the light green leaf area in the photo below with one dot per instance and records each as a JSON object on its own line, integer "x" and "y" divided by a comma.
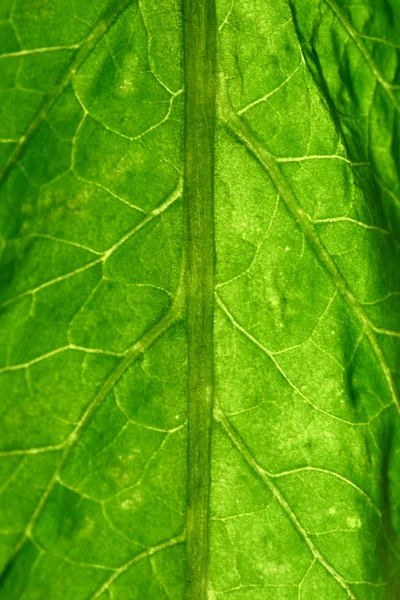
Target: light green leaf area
{"x": 305, "y": 485}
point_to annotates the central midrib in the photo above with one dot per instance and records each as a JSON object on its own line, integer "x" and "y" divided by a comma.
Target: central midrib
{"x": 200, "y": 86}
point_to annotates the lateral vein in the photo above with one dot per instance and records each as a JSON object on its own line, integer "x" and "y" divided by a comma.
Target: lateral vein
{"x": 146, "y": 554}
{"x": 269, "y": 483}
{"x": 138, "y": 348}
{"x": 366, "y": 55}
{"x": 243, "y": 133}
{"x": 81, "y": 55}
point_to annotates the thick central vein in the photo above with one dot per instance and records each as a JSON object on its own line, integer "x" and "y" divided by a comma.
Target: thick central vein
{"x": 200, "y": 68}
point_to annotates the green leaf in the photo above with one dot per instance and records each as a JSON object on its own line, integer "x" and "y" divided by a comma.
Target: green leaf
{"x": 199, "y": 300}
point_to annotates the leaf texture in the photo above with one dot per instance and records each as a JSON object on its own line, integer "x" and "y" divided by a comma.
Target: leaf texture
{"x": 199, "y": 300}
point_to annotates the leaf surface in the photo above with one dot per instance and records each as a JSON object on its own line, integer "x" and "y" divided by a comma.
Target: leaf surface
{"x": 199, "y": 300}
